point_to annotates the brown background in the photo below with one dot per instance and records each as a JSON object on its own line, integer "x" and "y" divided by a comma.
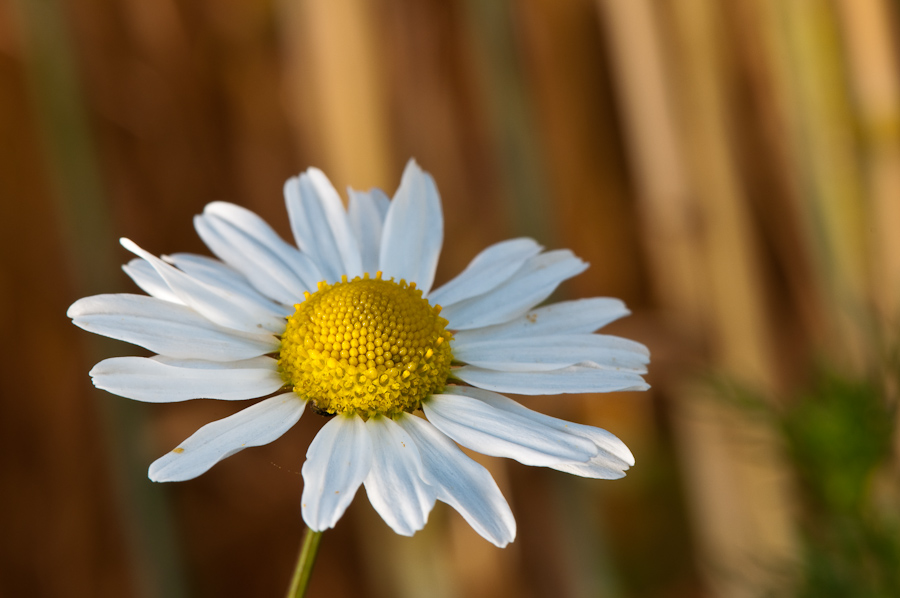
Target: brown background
{"x": 730, "y": 169}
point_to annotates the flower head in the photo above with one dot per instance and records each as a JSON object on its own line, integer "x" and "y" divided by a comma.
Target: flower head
{"x": 366, "y": 346}
{"x": 347, "y": 321}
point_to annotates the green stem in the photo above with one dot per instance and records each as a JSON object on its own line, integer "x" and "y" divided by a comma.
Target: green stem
{"x": 305, "y": 563}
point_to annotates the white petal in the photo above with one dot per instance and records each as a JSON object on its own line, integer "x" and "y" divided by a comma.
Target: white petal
{"x": 491, "y": 431}
{"x": 612, "y": 452}
{"x": 162, "y": 380}
{"x": 266, "y": 249}
{"x": 544, "y": 353}
{"x": 216, "y": 304}
{"x": 338, "y": 460}
{"x": 395, "y": 485}
{"x": 413, "y": 230}
{"x": 612, "y": 459}
{"x": 597, "y": 468}
{"x": 166, "y": 328}
{"x": 531, "y": 284}
{"x": 490, "y": 268}
{"x": 256, "y": 425}
{"x": 566, "y": 317}
{"x": 245, "y": 242}
{"x": 209, "y": 269}
{"x": 219, "y": 274}
{"x": 461, "y": 482}
{"x": 320, "y": 225}
{"x": 583, "y": 377}
{"x": 144, "y": 276}
{"x": 367, "y": 211}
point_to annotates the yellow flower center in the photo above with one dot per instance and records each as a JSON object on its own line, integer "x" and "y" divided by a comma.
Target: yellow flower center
{"x": 368, "y": 346}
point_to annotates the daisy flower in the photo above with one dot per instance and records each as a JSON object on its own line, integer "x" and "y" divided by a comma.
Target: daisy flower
{"x": 348, "y": 323}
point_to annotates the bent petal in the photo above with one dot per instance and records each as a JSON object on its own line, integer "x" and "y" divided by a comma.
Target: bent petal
{"x": 218, "y": 305}
{"x": 144, "y": 276}
{"x": 413, "y": 230}
{"x": 337, "y": 461}
{"x": 164, "y": 380}
{"x": 216, "y": 273}
{"x": 395, "y": 485}
{"x": 462, "y": 483}
{"x": 256, "y": 425}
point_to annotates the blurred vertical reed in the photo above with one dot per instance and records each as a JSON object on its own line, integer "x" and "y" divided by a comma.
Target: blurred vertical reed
{"x": 826, "y": 155}
{"x": 869, "y": 36}
{"x": 566, "y": 76}
{"x": 337, "y": 92}
{"x": 494, "y": 35}
{"x": 674, "y": 95}
{"x": 83, "y": 215}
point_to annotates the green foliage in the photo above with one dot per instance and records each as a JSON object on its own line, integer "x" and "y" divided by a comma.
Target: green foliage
{"x": 837, "y": 436}
{"x": 838, "y": 439}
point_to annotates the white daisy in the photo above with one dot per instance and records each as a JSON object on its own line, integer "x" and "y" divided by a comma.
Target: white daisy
{"x": 350, "y": 324}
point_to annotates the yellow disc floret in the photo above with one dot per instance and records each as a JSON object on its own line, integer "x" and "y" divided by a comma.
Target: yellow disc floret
{"x": 368, "y": 346}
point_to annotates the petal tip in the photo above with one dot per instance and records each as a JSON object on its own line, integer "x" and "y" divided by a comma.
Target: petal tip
{"x": 154, "y": 474}
{"x": 74, "y": 310}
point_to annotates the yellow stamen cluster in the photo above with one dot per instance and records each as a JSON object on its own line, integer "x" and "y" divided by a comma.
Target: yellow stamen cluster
{"x": 368, "y": 346}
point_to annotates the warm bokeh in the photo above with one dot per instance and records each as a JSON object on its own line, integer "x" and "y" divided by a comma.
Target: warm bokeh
{"x": 731, "y": 169}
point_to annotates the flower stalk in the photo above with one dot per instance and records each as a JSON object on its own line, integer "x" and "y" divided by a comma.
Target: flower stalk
{"x": 305, "y": 562}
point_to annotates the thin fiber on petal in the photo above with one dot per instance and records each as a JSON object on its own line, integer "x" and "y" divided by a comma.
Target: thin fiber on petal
{"x": 489, "y": 269}
{"x": 531, "y": 284}
{"x": 580, "y": 316}
{"x": 320, "y": 225}
{"x": 395, "y": 485}
{"x": 413, "y": 230}
{"x": 337, "y": 461}
{"x": 461, "y": 482}
{"x": 256, "y": 425}
{"x": 163, "y": 380}
{"x": 367, "y": 211}
{"x": 491, "y": 431}
{"x": 166, "y": 328}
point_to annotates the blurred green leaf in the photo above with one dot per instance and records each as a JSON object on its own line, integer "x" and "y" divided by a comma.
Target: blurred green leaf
{"x": 837, "y": 435}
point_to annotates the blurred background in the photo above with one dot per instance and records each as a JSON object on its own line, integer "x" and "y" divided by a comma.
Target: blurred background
{"x": 730, "y": 169}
